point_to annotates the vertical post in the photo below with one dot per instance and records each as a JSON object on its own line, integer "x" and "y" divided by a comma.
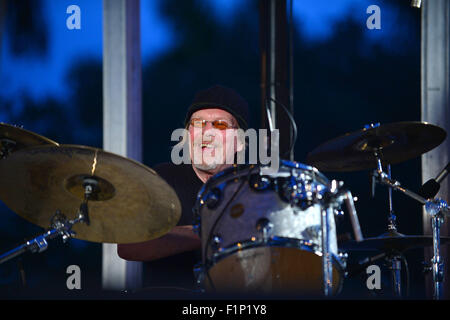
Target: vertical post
{"x": 122, "y": 109}
{"x": 396, "y": 266}
{"x": 275, "y": 70}
{"x": 392, "y": 226}
{"x": 435, "y": 54}
{"x": 436, "y": 261}
{"x": 327, "y": 269}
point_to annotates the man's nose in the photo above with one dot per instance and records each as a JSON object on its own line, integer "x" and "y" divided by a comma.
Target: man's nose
{"x": 208, "y": 126}
{"x": 208, "y": 129}
{"x": 209, "y": 132}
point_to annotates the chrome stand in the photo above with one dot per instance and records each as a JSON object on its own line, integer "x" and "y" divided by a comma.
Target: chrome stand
{"x": 327, "y": 268}
{"x": 437, "y": 209}
{"x": 333, "y": 201}
{"x": 395, "y": 264}
{"x": 59, "y": 226}
{"x": 392, "y": 218}
{"x": 396, "y": 267}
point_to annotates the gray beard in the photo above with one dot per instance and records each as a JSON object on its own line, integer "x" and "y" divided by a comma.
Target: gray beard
{"x": 206, "y": 167}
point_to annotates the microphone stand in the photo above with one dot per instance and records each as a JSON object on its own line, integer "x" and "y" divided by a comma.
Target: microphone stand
{"x": 437, "y": 209}
{"x": 273, "y": 143}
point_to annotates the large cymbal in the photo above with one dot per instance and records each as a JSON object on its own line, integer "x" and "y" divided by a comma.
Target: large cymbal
{"x": 133, "y": 203}
{"x": 15, "y": 138}
{"x": 392, "y": 241}
{"x": 398, "y": 142}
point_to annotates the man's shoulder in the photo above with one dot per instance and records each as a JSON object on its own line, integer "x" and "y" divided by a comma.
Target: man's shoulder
{"x": 169, "y": 170}
{"x": 181, "y": 178}
{"x": 170, "y": 167}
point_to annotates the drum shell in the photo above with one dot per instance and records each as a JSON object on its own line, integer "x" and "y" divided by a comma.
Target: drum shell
{"x": 253, "y": 239}
{"x": 238, "y": 222}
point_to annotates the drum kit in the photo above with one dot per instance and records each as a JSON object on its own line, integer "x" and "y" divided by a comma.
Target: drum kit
{"x": 269, "y": 233}
{"x": 276, "y": 233}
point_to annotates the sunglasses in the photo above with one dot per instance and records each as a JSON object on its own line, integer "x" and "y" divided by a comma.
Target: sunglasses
{"x": 218, "y": 124}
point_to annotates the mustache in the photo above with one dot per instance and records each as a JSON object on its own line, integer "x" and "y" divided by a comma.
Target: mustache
{"x": 208, "y": 144}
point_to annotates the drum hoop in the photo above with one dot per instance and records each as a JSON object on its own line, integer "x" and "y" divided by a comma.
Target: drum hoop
{"x": 275, "y": 241}
{"x": 240, "y": 170}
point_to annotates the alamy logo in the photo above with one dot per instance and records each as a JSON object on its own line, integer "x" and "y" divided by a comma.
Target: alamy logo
{"x": 374, "y": 278}
{"x": 74, "y": 280}
{"x": 74, "y": 20}
{"x": 212, "y": 147}
{"x": 374, "y": 20}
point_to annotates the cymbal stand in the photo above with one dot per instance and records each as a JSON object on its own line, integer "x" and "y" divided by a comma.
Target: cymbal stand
{"x": 59, "y": 226}
{"x": 392, "y": 218}
{"x": 394, "y": 260}
{"x": 437, "y": 209}
{"x": 395, "y": 265}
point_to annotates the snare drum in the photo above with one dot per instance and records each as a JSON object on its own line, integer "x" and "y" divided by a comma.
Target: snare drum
{"x": 262, "y": 233}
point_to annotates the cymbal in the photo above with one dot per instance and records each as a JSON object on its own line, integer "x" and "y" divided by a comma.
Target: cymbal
{"x": 392, "y": 241}
{"x": 397, "y": 142}
{"x": 16, "y": 138}
{"x": 131, "y": 203}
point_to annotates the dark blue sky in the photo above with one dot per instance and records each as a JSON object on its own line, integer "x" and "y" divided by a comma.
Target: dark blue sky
{"x": 45, "y": 76}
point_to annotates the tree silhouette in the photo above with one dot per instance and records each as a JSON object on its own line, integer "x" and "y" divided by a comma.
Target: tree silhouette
{"x": 25, "y": 24}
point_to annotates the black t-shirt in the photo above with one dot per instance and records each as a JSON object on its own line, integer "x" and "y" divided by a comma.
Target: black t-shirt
{"x": 177, "y": 270}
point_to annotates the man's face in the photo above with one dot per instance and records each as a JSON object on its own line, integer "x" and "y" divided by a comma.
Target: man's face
{"x": 210, "y": 150}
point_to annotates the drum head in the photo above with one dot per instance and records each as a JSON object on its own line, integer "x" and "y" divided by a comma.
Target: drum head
{"x": 271, "y": 270}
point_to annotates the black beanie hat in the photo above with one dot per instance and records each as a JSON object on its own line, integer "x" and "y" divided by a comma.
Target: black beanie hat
{"x": 220, "y": 97}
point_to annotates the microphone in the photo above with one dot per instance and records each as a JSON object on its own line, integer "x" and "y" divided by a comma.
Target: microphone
{"x": 441, "y": 176}
{"x": 430, "y": 188}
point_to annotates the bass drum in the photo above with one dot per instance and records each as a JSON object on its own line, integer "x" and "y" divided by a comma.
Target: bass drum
{"x": 261, "y": 233}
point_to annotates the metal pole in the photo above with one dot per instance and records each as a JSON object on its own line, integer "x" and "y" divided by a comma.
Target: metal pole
{"x": 274, "y": 70}
{"x": 122, "y": 128}
{"x": 392, "y": 218}
{"x": 326, "y": 260}
{"x": 435, "y": 88}
{"x": 272, "y": 62}
{"x": 436, "y": 261}
{"x": 437, "y": 209}
{"x": 396, "y": 266}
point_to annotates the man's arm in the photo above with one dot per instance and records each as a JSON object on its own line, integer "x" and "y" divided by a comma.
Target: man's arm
{"x": 179, "y": 239}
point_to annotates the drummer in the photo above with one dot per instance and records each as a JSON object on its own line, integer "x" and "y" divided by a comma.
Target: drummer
{"x": 170, "y": 259}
